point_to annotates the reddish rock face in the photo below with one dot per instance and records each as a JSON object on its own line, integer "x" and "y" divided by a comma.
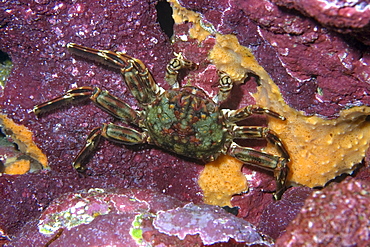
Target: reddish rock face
{"x": 337, "y": 215}
{"x": 315, "y": 68}
{"x": 134, "y": 217}
{"x": 318, "y": 71}
{"x": 34, "y": 37}
{"x": 348, "y": 17}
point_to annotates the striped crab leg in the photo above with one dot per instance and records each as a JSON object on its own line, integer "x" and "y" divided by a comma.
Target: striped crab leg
{"x": 103, "y": 99}
{"x": 136, "y": 75}
{"x": 263, "y": 160}
{"x": 107, "y": 102}
{"x": 111, "y": 132}
{"x": 258, "y": 158}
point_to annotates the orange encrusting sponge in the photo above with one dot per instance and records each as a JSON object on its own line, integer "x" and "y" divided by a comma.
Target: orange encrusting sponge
{"x": 18, "y": 167}
{"x": 221, "y": 179}
{"x": 23, "y": 137}
{"x": 320, "y": 149}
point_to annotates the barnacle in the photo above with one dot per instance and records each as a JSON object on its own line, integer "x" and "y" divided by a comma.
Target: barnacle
{"x": 23, "y": 138}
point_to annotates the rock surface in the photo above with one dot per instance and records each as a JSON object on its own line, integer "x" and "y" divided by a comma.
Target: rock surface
{"x": 318, "y": 71}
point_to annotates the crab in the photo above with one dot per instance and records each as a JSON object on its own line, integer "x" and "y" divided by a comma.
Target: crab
{"x": 183, "y": 120}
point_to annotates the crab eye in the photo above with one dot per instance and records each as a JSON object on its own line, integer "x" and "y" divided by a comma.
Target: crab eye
{"x": 225, "y": 82}
{"x": 175, "y": 64}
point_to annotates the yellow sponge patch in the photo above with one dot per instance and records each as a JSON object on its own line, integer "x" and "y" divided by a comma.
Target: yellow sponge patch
{"x": 221, "y": 179}
{"x": 23, "y": 137}
{"x": 320, "y": 149}
{"x": 229, "y": 56}
{"x": 181, "y": 14}
{"x": 18, "y": 167}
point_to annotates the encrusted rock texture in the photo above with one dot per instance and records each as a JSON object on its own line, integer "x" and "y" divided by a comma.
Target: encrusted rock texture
{"x": 319, "y": 59}
{"x": 134, "y": 217}
{"x": 336, "y": 216}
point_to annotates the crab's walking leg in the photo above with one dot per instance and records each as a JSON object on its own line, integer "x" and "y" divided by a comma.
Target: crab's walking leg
{"x": 74, "y": 94}
{"x": 92, "y": 142}
{"x": 103, "y": 99}
{"x": 136, "y": 75}
{"x": 243, "y": 113}
{"x": 264, "y": 160}
{"x": 174, "y": 66}
{"x": 253, "y": 132}
{"x": 111, "y": 132}
{"x": 115, "y": 106}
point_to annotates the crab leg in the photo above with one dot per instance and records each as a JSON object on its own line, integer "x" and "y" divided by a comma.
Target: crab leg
{"x": 263, "y": 160}
{"x": 92, "y": 142}
{"x": 123, "y": 135}
{"x": 71, "y": 95}
{"x": 136, "y": 75}
{"x": 243, "y": 113}
{"x": 103, "y": 99}
{"x": 111, "y": 132}
{"x": 115, "y": 106}
{"x": 252, "y": 132}
{"x": 174, "y": 66}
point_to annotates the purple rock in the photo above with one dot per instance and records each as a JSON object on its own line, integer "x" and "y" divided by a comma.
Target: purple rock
{"x": 276, "y": 216}
{"x": 349, "y": 17}
{"x": 34, "y": 36}
{"x": 300, "y": 55}
{"x": 318, "y": 72}
{"x": 213, "y": 224}
{"x": 132, "y": 217}
{"x": 96, "y": 216}
{"x": 338, "y": 215}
